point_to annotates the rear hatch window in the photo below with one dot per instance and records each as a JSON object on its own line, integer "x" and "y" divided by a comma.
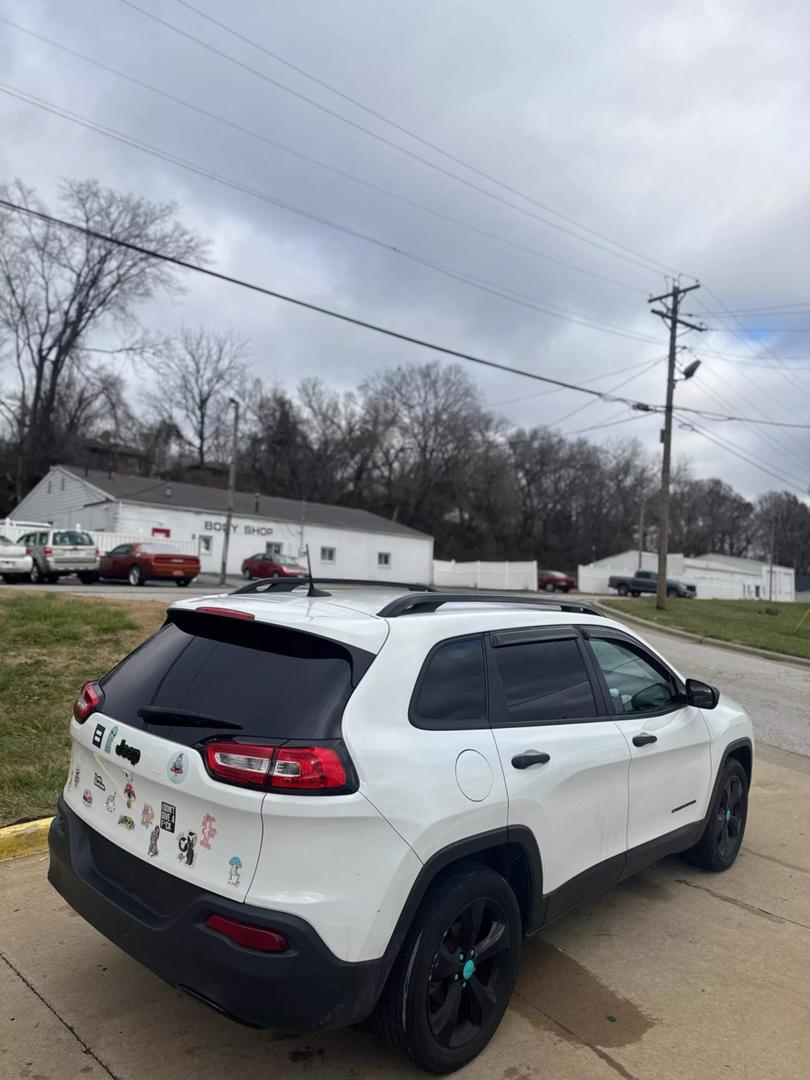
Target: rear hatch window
{"x": 246, "y": 677}
{"x": 73, "y": 539}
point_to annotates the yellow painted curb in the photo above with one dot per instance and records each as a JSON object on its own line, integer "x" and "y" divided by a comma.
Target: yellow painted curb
{"x": 25, "y": 839}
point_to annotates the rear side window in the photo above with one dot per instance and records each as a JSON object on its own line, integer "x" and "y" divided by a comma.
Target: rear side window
{"x": 452, "y": 690}
{"x": 544, "y": 682}
{"x": 270, "y": 681}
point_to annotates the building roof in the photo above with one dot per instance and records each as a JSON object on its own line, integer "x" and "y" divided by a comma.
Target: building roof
{"x": 734, "y": 562}
{"x": 150, "y": 491}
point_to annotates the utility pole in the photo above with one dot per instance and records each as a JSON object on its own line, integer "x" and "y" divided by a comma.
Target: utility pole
{"x": 226, "y": 540}
{"x": 770, "y": 569}
{"x": 670, "y": 316}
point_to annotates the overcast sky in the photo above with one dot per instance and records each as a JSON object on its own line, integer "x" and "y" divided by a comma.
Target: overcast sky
{"x": 681, "y": 132}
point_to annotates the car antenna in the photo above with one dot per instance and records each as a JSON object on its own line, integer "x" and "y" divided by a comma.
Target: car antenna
{"x": 312, "y": 591}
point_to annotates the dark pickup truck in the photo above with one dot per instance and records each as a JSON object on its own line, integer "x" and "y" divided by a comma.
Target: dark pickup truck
{"x": 646, "y": 581}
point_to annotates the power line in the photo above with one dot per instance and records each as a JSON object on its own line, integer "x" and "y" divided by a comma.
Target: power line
{"x": 210, "y": 174}
{"x": 387, "y": 142}
{"x": 365, "y": 324}
{"x": 618, "y": 386}
{"x": 628, "y": 418}
{"x": 337, "y": 171}
{"x": 414, "y": 135}
{"x": 743, "y": 457}
{"x": 803, "y": 307}
{"x": 545, "y": 393}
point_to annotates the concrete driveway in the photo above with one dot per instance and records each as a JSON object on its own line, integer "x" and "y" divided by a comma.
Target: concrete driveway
{"x": 675, "y": 974}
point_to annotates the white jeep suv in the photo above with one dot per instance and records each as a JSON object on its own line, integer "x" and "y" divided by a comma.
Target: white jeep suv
{"x": 309, "y": 810}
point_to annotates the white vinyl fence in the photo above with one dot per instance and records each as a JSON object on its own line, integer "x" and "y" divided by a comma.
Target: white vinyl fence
{"x": 485, "y": 575}
{"x": 106, "y": 541}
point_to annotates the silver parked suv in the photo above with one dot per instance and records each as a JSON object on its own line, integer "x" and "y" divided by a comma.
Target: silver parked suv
{"x": 57, "y": 552}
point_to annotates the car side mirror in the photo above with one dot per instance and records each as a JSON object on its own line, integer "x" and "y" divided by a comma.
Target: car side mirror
{"x": 701, "y": 695}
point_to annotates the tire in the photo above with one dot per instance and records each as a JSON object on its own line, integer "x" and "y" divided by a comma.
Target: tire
{"x": 622, "y": 589}
{"x": 419, "y": 1014}
{"x": 548, "y": 587}
{"x": 672, "y": 592}
{"x": 88, "y": 578}
{"x": 182, "y": 582}
{"x": 635, "y": 592}
{"x": 135, "y": 575}
{"x": 275, "y": 574}
{"x": 246, "y": 574}
{"x": 37, "y": 576}
{"x": 720, "y": 844}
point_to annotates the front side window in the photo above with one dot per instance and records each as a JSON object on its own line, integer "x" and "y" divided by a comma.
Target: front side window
{"x": 544, "y": 682}
{"x": 122, "y": 549}
{"x": 635, "y": 682}
{"x": 452, "y": 690}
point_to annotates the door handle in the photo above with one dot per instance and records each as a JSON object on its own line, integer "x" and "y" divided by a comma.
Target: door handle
{"x": 529, "y": 758}
{"x": 644, "y": 740}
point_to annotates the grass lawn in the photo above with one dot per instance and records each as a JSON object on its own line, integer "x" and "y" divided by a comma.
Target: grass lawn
{"x": 51, "y": 645}
{"x": 763, "y": 624}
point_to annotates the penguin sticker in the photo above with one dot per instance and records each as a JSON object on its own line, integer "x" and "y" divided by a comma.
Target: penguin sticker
{"x": 186, "y": 842}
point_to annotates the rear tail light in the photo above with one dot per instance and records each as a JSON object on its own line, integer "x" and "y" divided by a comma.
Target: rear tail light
{"x": 29, "y": 551}
{"x": 251, "y": 937}
{"x": 47, "y": 552}
{"x": 278, "y": 768}
{"x": 89, "y": 699}
{"x": 98, "y": 552}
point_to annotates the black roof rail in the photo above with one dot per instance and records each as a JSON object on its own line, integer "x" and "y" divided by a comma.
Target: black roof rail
{"x": 263, "y": 585}
{"x": 411, "y": 605}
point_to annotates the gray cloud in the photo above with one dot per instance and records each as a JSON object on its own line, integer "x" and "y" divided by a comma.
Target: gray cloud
{"x": 682, "y": 133}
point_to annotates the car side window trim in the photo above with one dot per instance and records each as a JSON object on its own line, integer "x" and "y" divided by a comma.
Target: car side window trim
{"x": 501, "y": 638}
{"x": 636, "y": 647}
{"x": 499, "y": 709}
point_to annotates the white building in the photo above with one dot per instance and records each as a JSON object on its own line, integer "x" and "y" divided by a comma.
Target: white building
{"x": 717, "y": 577}
{"x": 343, "y": 542}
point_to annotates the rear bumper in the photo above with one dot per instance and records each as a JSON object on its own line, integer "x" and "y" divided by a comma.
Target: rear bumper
{"x": 306, "y": 988}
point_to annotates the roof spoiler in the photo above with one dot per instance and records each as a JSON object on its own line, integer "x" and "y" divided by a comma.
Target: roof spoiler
{"x": 289, "y": 584}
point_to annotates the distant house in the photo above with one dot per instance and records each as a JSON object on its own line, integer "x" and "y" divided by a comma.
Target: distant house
{"x": 719, "y": 577}
{"x": 343, "y": 542}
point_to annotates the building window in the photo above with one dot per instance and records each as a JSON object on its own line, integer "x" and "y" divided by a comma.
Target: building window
{"x": 62, "y": 487}
{"x": 204, "y": 545}
{"x": 384, "y": 559}
{"x": 327, "y": 554}
{"x": 272, "y": 549}
{"x": 49, "y": 487}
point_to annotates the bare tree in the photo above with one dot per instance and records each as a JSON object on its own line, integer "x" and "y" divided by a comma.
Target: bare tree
{"x": 58, "y": 285}
{"x": 196, "y": 373}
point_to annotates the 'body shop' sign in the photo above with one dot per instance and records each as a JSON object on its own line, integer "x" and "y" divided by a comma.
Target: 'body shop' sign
{"x": 247, "y": 530}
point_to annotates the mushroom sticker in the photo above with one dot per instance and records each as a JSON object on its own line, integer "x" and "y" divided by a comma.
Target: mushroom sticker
{"x": 235, "y": 865}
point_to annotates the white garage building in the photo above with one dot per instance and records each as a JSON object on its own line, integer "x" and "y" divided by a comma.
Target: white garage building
{"x": 717, "y": 577}
{"x": 343, "y": 542}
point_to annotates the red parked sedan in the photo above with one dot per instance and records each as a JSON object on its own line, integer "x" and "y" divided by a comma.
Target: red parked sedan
{"x": 139, "y": 563}
{"x": 265, "y": 565}
{"x": 555, "y": 581}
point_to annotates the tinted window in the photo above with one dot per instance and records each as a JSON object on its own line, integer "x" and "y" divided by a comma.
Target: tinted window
{"x": 634, "y": 681}
{"x": 271, "y": 681}
{"x": 544, "y": 681}
{"x": 72, "y": 538}
{"x": 452, "y": 691}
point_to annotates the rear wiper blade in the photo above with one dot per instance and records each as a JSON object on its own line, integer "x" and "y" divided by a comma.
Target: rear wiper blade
{"x": 160, "y": 714}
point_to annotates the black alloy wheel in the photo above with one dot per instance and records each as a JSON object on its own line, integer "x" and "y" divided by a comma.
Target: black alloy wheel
{"x": 467, "y": 972}
{"x": 730, "y": 817}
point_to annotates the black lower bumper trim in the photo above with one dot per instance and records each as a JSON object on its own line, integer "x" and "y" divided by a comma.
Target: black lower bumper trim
{"x": 306, "y": 988}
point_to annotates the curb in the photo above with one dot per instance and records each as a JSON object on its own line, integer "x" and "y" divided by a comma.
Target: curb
{"x": 25, "y": 839}
{"x": 701, "y": 639}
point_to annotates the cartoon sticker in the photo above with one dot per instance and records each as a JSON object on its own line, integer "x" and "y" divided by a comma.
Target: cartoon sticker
{"x": 208, "y": 831}
{"x": 87, "y": 798}
{"x": 126, "y": 821}
{"x": 186, "y": 842}
{"x": 76, "y": 775}
{"x": 98, "y": 781}
{"x": 234, "y": 866}
{"x": 147, "y": 816}
{"x": 168, "y": 815}
{"x": 129, "y": 795}
{"x": 176, "y": 768}
{"x": 98, "y": 735}
{"x": 110, "y": 803}
{"x": 153, "y": 839}
{"x": 110, "y": 739}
